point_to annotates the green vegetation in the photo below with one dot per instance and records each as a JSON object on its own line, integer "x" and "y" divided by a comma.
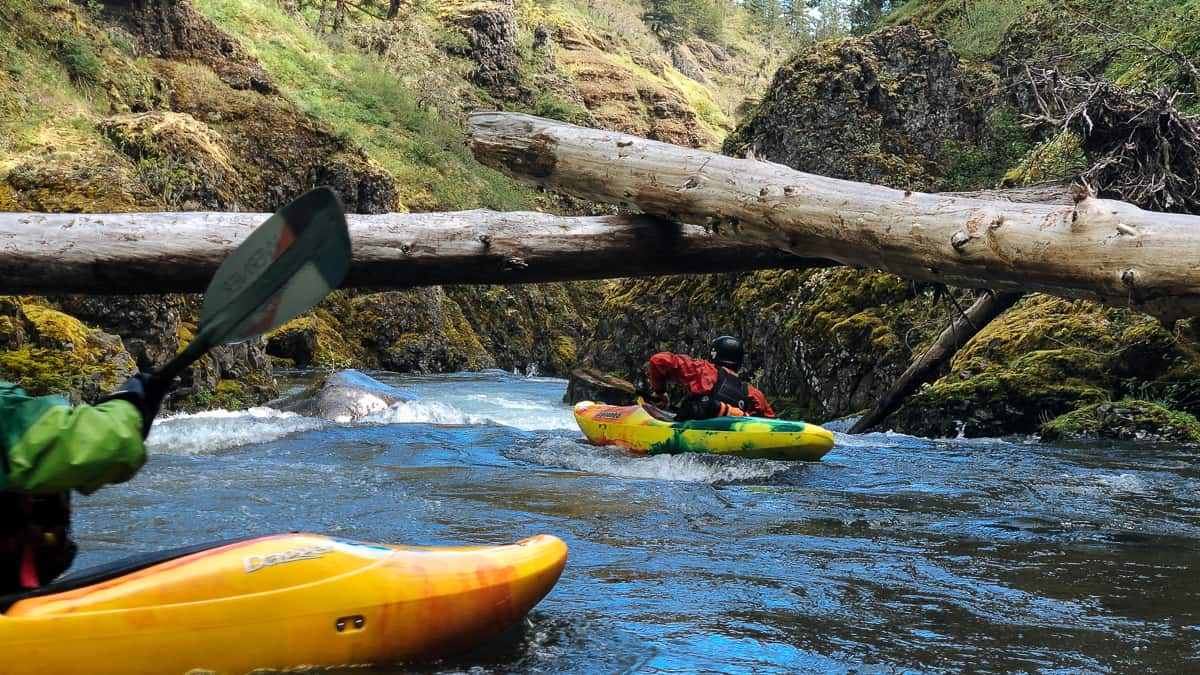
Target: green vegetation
{"x": 352, "y": 92}
{"x": 1128, "y": 420}
{"x": 985, "y": 163}
{"x": 1046, "y": 357}
{"x": 1135, "y": 43}
{"x": 48, "y": 352}
{"x": 556, "y": 108}
{"x": 38, "y": 99}
{"x": 674, "y": 20}
{"x": 1058, "y": 158}
{"x": 974, "y": 28}
{"x": 77, "y": 57}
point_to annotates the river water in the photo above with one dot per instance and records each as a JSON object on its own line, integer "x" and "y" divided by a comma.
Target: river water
{"x": 892, "y": 555}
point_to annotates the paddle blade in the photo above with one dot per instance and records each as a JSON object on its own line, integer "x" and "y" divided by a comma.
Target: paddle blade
{"x": 284, "y": 267}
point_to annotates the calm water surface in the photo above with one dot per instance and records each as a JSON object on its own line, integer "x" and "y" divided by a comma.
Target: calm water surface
{"x": 892, "y": 555}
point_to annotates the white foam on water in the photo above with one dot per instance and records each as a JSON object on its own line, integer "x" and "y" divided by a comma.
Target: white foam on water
{"x": 689, "y": 467}
{"x": 421, "y": 411}
{"x": 1108, "y": 484}
{"x": 869, "y": 440}
{"x": 215, "y": 430}
{"x": 525, "y": 413}
{"x": 548, "y": 421}
{"x": 487, "y": 397}
{"x": 508, "y": 402}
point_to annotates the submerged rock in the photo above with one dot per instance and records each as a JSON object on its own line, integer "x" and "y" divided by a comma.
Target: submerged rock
{"x": 343, "y": 396}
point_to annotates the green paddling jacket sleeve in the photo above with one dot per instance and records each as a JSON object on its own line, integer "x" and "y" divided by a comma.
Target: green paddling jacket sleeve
{"x": 50, "y": 446}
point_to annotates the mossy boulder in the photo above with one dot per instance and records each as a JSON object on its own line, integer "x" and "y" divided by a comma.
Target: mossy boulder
{"x": 92, "y": 181}
{"x": 49, "y": 352}
{"x": 1126, "y": 420}
{"x": 878, "y": 109}
{"x": 279, "y": 151}
{"x": 418, "y": 331}
{"x": 153, "y": 327}
{"x": 1046, "y": 357}
{"x": 233, "y": 377}
{"x": 315, "y": 340}
{"x": 178, "y": 157}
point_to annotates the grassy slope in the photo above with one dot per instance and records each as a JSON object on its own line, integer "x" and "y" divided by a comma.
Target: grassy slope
{"x": 755, "y": 56}
{"x": 974, "y": 33}
{"x": 41, "y": 105}
{"x": 375, "y": 101}
{"x": 357, "y": 96}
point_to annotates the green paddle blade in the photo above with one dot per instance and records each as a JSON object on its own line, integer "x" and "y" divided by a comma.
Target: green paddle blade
{"x": 284, "y": 267}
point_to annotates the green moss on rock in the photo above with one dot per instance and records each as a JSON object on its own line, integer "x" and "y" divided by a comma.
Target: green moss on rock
{"x": 231, "y": 395}
{"x": 1125, "y": 420}
{"x": 880, "y": 108}
{"x": 93, "y": 181}
{"x": 531, "y": 327}
{"x": 178, "y": 158}
{"x": 1046, "y": 357}
{"x": 52, "y": 353}
{"x": 418, "y": 331}
{"x": 313, "y": 340}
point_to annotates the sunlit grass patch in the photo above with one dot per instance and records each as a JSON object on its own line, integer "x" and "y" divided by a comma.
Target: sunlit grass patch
{"x": 354, "y": 93}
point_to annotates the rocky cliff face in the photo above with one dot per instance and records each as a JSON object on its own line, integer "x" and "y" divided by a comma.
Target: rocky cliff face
{"x": 215, "y": 134}
{"x": 169, "y": 111}
{"x": 820, "y": 343}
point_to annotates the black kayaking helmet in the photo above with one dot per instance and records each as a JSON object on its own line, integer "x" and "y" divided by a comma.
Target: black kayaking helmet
{"x": 727, "y": 351}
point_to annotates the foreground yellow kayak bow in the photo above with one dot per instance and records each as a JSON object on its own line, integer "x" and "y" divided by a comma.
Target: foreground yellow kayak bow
{"x": 282, "y": 602}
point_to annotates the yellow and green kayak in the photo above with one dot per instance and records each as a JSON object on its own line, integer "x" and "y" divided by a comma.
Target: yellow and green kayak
{"x": 278, "y": 603}
{"x": 756, "y": 437}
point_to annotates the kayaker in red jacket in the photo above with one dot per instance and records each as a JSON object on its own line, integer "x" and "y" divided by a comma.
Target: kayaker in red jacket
{"x": 714, "y": 386}
{"x": 47, "y": 449}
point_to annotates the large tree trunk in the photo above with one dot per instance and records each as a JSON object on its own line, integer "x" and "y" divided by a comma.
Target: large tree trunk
{"x": 1097, "y": 249}
{"x": 178, "y": 252}
{"x": 985, "y": 308}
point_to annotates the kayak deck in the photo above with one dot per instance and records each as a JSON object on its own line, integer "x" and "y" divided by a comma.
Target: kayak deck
{"x": 281, "y": 602}
{"x": 631, "y": 427}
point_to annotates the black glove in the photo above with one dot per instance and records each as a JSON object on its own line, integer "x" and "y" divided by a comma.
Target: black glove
{"x": 146, "y": 392}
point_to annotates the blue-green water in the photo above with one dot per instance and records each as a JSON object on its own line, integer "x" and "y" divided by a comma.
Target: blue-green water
{"x": 892, "y": 555}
